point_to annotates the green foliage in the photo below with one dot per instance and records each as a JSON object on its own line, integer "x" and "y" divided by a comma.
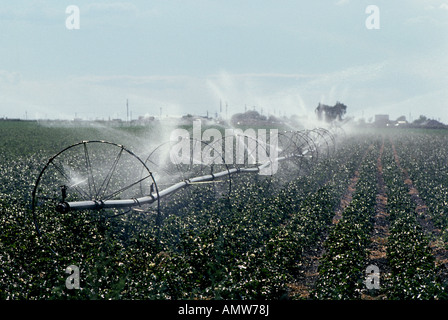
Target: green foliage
{"x": 341, "y": 271}
{"x": 413, "y": 274}
{"x": 252, "y": 247}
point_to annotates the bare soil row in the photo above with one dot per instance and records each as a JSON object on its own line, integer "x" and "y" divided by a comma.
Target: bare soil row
{"x": 438, "y": 249}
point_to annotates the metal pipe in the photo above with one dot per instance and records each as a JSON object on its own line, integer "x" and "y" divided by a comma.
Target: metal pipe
{"x": 64, "y": 207}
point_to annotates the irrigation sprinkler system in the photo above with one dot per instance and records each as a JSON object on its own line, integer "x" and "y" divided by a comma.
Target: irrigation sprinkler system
{"x": 106, "y": 180}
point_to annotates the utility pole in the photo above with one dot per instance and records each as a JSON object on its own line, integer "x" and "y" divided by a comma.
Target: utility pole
{"x": 127, "y": 111}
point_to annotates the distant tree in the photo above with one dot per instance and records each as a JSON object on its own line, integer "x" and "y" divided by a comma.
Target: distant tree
{"x": 420, "y": 120}
{"x": 401, "y": 118}
{"x": 331, "y": 113}
{"x": 273, "y": 119}
{"x": 248, "y": 117}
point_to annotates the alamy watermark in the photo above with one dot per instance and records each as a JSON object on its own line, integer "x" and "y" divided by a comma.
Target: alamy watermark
{"x": 72, "y": 281}
{"x": 372, "y": 277}
{"x": 373, "y": 20}
{"x": 250, "y": 146}
{"x": 73, "y": 20}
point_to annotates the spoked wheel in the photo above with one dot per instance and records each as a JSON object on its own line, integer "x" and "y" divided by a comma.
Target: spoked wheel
{"x": 339, "y": 133}
{"x": 255, "y": 160}
{"x": 324, "y": 139}
{"x": 301, "y": 151}
{"x": 194, "y": 164}
{"x": 86, "y": 171}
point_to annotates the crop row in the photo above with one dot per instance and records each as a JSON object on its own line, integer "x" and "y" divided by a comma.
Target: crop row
{"x": 426, "y": 160}
{"x": 254, "y": 246}
{"x": 413, "y": 273}
{"x": 342, "y": 267}
{"x": 250, "y": 247}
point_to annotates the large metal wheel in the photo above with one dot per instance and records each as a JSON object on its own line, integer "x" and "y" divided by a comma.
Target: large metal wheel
{"x": 324, "y": 139}
{"x": 300, "y": 150}
{"x": 89, "y": 170}
{"x": 170, "y": 165}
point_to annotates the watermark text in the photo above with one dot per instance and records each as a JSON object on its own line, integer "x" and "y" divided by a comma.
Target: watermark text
{"x": 236, "y": 147}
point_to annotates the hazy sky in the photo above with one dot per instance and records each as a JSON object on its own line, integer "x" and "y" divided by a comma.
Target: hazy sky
{"x": 283, "y": 57}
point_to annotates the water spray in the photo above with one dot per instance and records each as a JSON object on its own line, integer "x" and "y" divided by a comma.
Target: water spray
{"x": 104, "y": 178}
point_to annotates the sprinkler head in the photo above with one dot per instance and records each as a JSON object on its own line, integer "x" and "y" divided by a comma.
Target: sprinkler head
{"x": 62, "y": 207}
